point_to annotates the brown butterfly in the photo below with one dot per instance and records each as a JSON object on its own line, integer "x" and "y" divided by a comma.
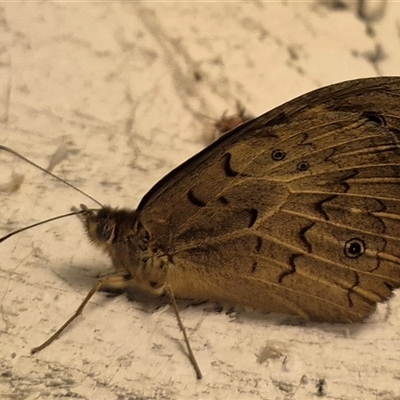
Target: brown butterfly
{"x": 296, "y": 211}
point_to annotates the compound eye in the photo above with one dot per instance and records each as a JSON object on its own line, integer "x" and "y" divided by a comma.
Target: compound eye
{"x": 105, "y": 230}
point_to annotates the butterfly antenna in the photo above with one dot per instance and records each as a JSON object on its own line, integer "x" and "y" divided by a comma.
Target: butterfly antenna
{"x": 5, "y": 237}
{"x": 7, "y": 149}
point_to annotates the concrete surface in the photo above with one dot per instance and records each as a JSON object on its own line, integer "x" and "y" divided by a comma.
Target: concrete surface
{"x": 112, "y": 95}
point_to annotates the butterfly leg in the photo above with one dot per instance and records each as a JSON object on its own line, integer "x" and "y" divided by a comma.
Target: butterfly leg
{"x": 192, "y": 358}
{"x": 113, "y": 283}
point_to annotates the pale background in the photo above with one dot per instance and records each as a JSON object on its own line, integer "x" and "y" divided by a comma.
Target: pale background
{"x": 119, "y": 93}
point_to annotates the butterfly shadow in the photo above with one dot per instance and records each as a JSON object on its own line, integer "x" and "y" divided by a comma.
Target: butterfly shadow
{"x": 75, "y": 277}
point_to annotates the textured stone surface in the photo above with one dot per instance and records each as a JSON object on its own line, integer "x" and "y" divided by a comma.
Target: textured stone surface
{"x": 114, "y": 95}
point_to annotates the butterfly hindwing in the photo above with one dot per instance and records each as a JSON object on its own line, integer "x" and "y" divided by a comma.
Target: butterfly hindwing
{"x": 296, "y": 211}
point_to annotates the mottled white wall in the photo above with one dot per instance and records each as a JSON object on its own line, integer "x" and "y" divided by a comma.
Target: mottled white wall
{"x": 120, "y": 92}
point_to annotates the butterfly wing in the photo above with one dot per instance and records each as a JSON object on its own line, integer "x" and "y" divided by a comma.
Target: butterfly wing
{"x": 296, "y": 211}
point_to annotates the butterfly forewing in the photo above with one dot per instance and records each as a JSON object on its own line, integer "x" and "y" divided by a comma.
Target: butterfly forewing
{"x": 297, "y": 211}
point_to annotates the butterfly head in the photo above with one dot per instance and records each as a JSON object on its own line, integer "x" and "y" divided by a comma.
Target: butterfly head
{"x": 107, "y": 226}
